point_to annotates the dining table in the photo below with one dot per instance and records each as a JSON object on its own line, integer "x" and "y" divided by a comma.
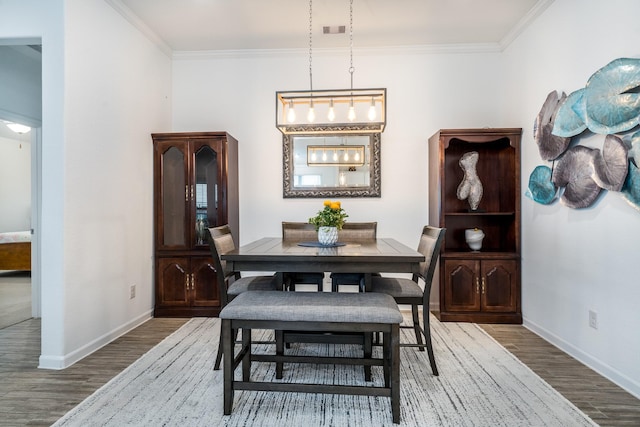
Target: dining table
{"x": 273, "y": 254}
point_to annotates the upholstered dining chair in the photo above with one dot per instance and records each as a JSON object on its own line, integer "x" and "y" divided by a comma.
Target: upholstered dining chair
{"x": 230, "y": 283}
{"x": 296, "y": 232}
{"x": 408, "y": 291}
{"x": 353, "y": 232}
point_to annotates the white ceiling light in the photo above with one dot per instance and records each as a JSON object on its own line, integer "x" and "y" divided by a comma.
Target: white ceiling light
{"x": 17, "y": 127}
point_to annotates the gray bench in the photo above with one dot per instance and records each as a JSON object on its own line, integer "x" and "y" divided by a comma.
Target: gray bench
{"x": 311, "y": 311}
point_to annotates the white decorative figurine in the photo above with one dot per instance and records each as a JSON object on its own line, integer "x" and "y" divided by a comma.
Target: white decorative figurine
{"x": 470, "y": 188}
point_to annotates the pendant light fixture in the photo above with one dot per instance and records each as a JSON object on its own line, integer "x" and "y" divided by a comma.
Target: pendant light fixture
{"x": 331, "y": 111}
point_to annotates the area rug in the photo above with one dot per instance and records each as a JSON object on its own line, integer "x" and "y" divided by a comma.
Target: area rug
{"x": 480, "y": 384}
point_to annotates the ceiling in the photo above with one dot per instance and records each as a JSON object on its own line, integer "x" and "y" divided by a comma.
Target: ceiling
{"x": 210, "y": 25}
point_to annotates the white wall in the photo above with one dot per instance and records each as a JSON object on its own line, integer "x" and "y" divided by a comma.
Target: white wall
{"x": 15, "y": 183}
{"x": 42, "y": 21}
{"x": 577, "y": 260}
{"x": 236, "y": 93}
{"x": 105, "y": 88}
{"x": 117, "y": 92}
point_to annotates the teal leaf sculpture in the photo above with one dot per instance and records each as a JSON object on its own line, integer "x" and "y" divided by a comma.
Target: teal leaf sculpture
{"x": 610, "y": 104}
{"x": 550, "y": 146}
{"x": 574, "y": 171}
{"x": 570, "y": 116}
{"x": 634, "y": 151}
{"x": 541, "y": 189}
{"x": 631, "y": 188}
{"x": 610, "y": 166}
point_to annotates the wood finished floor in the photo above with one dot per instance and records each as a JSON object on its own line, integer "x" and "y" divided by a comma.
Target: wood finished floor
{"x": 37, "y": 397}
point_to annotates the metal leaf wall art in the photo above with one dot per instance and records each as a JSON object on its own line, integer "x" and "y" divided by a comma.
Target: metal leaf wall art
{"x": 609, "y": 104}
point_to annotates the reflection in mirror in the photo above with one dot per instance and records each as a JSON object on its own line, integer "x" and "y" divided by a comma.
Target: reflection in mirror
{"x": 332, "y": 165}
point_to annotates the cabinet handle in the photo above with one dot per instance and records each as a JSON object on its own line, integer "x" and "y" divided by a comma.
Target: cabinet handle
{"x": 192, "y": 192}
{"x": 193, "y": 281}
{"x": 186, "y": 193}
{"x": 477, "y": 285}
{"x": 484, "y": 285}
{"x": 186, "y": 281}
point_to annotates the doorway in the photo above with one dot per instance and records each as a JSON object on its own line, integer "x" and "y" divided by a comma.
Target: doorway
{"x": 20, "y": 103}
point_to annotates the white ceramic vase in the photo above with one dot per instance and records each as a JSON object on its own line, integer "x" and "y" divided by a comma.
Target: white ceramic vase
{"x": 474, "y": 237}
{"x": 327, "y": 235}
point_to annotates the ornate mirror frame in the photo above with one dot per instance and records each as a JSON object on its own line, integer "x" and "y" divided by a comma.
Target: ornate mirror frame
{"x": 371, "y": 190}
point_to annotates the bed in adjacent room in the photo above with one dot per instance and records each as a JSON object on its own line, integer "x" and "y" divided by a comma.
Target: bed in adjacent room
{"x": 15, "y": 250}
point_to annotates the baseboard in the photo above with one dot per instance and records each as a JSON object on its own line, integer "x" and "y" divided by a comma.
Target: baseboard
{"x": 62, "y": 362}
{"x": 597, "y": 365}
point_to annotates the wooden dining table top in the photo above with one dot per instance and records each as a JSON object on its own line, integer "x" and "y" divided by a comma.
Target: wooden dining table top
{"x": 384, "y": 255}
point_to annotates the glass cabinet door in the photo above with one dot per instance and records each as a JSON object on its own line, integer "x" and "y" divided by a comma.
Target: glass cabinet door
{"x": 205, "y": 191}
{"x": 174, "y": 198}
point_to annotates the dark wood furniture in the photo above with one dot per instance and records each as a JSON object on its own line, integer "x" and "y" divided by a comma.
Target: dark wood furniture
{"x": 296, "y": 232}
{"x": 231, "y": 283}
{"x": 15, "y": 256}
{"x": 195, "y": 187}
{"x": 409, "y": 291}
{"x": 478, "y": 286}
{"x": 311, "y": 312}
{"x": 275, "y": 254}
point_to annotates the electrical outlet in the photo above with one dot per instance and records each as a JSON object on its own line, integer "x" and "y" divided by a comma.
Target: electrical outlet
{"x": 593, "y": 319}
{"x": 132, "y": 292}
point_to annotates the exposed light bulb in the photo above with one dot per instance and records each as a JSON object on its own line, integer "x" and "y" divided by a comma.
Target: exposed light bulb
{"x": 324, "y": 156}
{"x": 313, "y": 156}
{"x": 372, "y": 110}
{"x": 311, "y": 115}
{"x": 343, "y": 178}
{"x": 356, "y": 157}
{"x": 332, "y": 113}
{"x": 335, "y": 156}
{"x": 346, "y": 155}
{"x": 291, "y": 114}
{"x": 352, "y": 112}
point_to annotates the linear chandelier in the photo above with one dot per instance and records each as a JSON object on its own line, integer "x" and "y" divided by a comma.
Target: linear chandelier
{"x": 331, "y": 111}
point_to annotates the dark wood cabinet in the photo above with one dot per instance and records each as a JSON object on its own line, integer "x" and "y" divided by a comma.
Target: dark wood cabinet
{"x": 478, "y": 286}
{"x": 195, "y": 187}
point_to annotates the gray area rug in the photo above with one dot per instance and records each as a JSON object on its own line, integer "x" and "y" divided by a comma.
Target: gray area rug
{"x": 480, "y": 384}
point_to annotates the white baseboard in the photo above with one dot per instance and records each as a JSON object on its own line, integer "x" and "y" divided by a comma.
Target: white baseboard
{"x": 62, "y": 362}
{"x": 613, "y": 375}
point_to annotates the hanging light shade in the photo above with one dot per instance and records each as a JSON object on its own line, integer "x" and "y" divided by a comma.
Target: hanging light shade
{"x": 331, "y": 111}
{"x": 332, "y": 103}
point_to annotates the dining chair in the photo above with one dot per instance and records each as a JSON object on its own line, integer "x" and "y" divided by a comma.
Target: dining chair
{"x": 297, "y": 232}
{"x": 231, "y": 283}
{"x": 353, "y": 232}
{"x": 408, "y": 291}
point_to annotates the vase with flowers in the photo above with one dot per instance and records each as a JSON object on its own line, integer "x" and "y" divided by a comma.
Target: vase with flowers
{"x": 328, "y": 221}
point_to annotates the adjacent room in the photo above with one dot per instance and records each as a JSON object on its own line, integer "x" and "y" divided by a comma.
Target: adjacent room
{"x": 469, "y": 167}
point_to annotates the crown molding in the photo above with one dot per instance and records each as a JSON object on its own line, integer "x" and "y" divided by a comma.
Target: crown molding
{"x": 133, "y": 19}
{"x": 382, "y": 50}
{"x": 526, "y": 20}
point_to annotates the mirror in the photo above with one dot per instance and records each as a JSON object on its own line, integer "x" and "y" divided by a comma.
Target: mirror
{"x": 331, "y": 165}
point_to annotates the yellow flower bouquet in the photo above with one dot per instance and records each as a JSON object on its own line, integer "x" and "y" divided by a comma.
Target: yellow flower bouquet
{"x": 332, "y": 215}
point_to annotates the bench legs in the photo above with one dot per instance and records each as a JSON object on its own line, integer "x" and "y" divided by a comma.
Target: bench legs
{"x": 390, "y": 363}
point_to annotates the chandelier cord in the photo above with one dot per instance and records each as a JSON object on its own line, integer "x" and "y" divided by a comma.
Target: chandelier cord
{"x": 351, "y": 69}
{"x": 310, "y": 44}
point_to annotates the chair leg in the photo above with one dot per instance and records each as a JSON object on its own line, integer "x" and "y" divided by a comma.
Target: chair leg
{"x": 228, "y": 338}
{"x": 416, "y": 326}
{"x": 368, "y": 352}
{"x": 427, "y": 337}
{"x": 279, "y": 352}
{"x": 216, "y": 366}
